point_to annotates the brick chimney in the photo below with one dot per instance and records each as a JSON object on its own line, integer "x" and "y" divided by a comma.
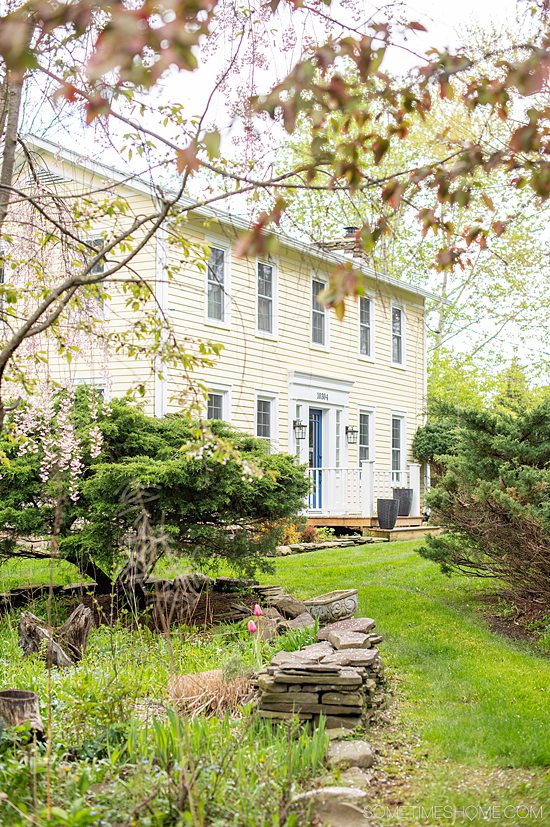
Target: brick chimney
{"x": 347, "y": 244}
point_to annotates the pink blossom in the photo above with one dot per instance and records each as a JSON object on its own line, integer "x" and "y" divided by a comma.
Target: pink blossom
{"x": 252, "y": 627}
{"x": 258, "y": 610}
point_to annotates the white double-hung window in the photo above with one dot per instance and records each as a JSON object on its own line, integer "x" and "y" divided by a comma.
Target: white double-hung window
{"x": 266, "y": 426}
{"x": 266, "y": 298}
{"x": 365, "y": 326}
{"x": 365, "y": 423}
{"x": 318, "y": 314}
{"x": 397, "y": 446}
{"x": 397, "y": 336}
{"x": 216, "y": 285}
{"x": 218, "y": 404}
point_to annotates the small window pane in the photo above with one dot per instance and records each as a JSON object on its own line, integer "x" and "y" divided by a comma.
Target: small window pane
{"x": 215, "y": 406}
{"x": 99, "y": 266}
{"x": 263, "y": 418}
{"x": 365, "y": 326}
{"x": 364, "y": 437}
{"x": 318, "y": 313}
{"x": 265, "y": 297}
{"x": 397, "y": 335}
{"x": 216, "y": 282}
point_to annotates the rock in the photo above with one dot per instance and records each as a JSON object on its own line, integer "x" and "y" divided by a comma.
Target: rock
{"x": 272, "y": 613}
{"x": 233, "y": 584}
{"x": 346, "y": 677}
{"x": 267, "y": 684}
{"x": 342, "y": 698}
{"x": 287, "y": 605}
{"x": 347, "y": 640}
{"x": 336, "y": 732}
{"x": 192, "y": 582}
{"x": 356, "y": 777}
{"x": 284, "y": 550}
{"x": 361, "y": 625}
{"x": 288, "y": 698}
{"x": 284, "y": 716}
{"x": 374, "y": 640}
{"x": 351, "y": 657}
{"x": 303, "y": 621}
{"x": 337, "y": 721}
{"x": 317, "y": 649}
{"x": 334, "y": 806}
{"x": 351, "y": 754}
{"x": 267, "y": 628}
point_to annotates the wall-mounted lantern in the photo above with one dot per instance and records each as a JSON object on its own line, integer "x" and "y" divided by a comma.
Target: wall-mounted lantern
{"x": 300, "y": 429}
{"x": 351, "y": 435}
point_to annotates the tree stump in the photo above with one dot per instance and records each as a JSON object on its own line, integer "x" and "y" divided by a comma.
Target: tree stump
{"x": 17, "y": 706}
{"x": 59, "y": 647}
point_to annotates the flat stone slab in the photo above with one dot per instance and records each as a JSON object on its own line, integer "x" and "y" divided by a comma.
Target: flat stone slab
{"x": 348, "y": 640}
{"x": 303, "y": 621}
{"x": 351, "y": 754}
{"x": 342, "y": 698}
{"x": 287, "y": 605}
{"x": 361, "y": 625}
{"x": 351, "y": 657}
{"x": 345, "y": 677}
{"x": 356, "y": 777}
{"x": 289, "y": 698}
{"x": 284, "y": 716}
{"x": 334, "y": 806}
{"x": 340, "y": 721}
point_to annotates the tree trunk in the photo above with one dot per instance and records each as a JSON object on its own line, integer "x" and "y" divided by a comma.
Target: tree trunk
{"x": 59, "y": 647}
{"x": 19, "y": 706}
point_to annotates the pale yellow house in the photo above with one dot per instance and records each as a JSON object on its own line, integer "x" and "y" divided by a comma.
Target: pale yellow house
{"x": 345, "y": 396}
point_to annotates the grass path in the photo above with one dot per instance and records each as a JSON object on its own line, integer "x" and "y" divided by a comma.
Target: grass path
{"x": 473, "y": 711}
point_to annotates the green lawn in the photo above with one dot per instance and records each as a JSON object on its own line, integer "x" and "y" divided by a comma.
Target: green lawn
{"x": 477, "y": 697}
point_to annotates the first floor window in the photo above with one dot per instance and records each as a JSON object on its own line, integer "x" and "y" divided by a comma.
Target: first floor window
{"x": 364, "y": 436}
{"x": 216, "y": 285}
{"x": 318, "y": 318}
{"x": 265, "y": 297}
{"x": 365, "y": 326}
{"x": 264, "y": 424}
{"x": 396, "y": 447}
{"x": 397, "y": 336}
{"x": 215, "y": 406}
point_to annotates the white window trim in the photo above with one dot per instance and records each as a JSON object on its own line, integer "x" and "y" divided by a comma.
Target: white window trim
{"x": 402, "y": 365}
{"x": 225, "y": 392}
{"x": 226, "y": 323}
{"x": 316, "y": 345}
{"x": 363, "y": 356}
{"x": 273, "y": 399}
{"x": 274, "y": 264}
{"x": 403, "y": 417}
{"x": 98, "y": 382}
{"x": 370, "y": 410}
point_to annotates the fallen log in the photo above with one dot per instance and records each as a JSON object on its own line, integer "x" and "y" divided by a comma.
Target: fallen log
{"x": 59, "y": 647}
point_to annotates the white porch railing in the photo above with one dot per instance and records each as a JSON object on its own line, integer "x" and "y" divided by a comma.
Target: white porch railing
{"x": 353, "y": 492}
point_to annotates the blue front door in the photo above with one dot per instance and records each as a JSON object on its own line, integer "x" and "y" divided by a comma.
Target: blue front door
{"x": 316, "y": 457}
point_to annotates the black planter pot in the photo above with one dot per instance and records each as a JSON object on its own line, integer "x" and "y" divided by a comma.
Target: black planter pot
{"x": 404, "y": 496}
{"x": 387, "y": 513}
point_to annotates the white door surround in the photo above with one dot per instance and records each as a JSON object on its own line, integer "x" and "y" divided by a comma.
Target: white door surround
{"x": 307, "y": 390}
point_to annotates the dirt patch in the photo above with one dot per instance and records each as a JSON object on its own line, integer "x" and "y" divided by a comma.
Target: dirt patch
{"x": 515, "y": 617}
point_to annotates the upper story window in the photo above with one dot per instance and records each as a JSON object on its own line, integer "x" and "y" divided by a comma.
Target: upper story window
{"x": 99, "y": 267}
{"x": 365, "y": 326}
{"x": 266, "y": 301}
{"x": 364, "y": 436}
{"x": 216, "y": 285}
{"x": 318, "y": 314}
{"x": 397, "y": 440}
{"x": 397, "y": 336}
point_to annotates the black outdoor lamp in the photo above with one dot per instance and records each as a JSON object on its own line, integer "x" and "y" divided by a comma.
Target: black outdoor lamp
{"x": 351, "y": 435}
{"x": 299, "y": 429}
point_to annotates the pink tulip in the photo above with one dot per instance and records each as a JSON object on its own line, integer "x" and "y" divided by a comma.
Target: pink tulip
{"x": 258, "y": 610}
{"x": 252, "y": 627}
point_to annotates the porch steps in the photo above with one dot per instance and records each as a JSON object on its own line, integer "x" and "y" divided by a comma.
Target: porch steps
{"x": 410, "y": 532}
{"x": 358, "y": 522}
